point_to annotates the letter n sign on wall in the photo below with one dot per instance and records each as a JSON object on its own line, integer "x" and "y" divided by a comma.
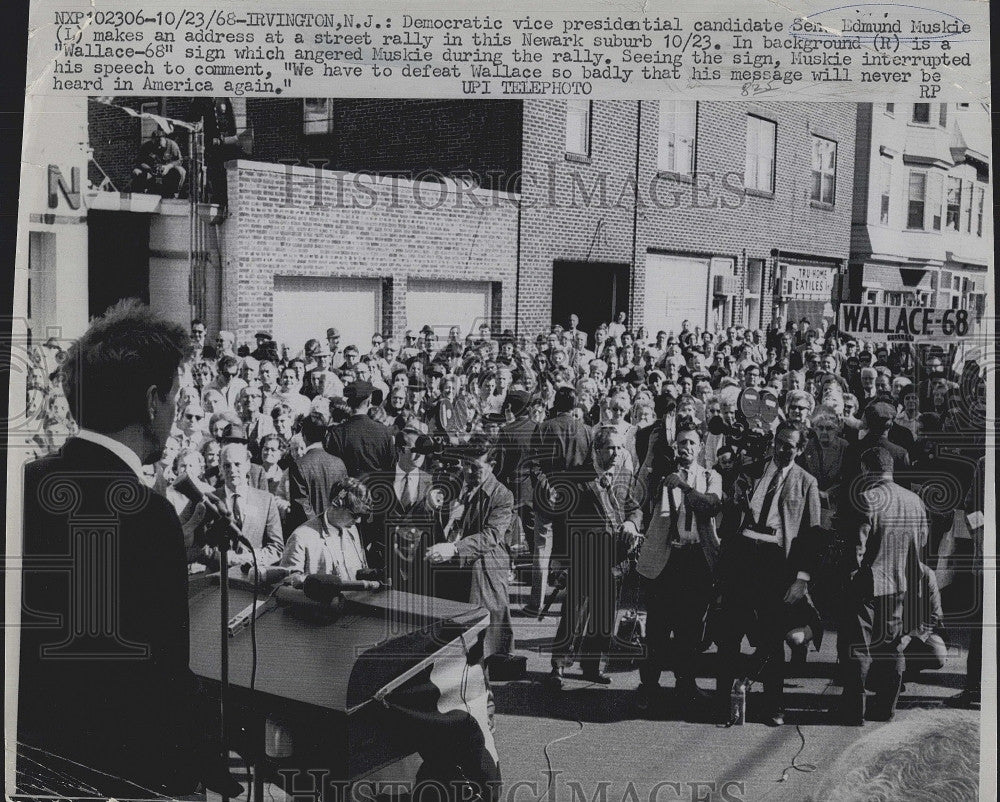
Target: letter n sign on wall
{"x": 57, "y": 184}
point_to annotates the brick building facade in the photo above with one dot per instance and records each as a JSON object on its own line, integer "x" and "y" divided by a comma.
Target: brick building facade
{"x": 922, "y": 227}
{"x": 595, "y": 208}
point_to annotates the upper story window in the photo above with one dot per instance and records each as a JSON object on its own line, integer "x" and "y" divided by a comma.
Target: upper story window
{"x": 885, "y": 191}
{"x": 761, "y": 141}
{"x": 980, "y": 203}
{"x": 678, "y": 131}
{"x": 922, "y": 113}
{"x": 146, "y": 124}
{"x": 943, "y": 115}
{"x": 824, "y": 170}
{"x": 924, "y": 201}
{"x": 967, "y": 188}
{"x": 317, "y": 115}
{"x": 954, "y": 202}
{"x": 578, "y": 118}
{"x": 890, "y": 109}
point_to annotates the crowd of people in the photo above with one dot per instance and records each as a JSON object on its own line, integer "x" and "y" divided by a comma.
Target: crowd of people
{"x": 745, "y": 482}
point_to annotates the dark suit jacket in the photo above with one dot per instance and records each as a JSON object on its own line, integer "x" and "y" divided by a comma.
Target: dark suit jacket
{"x": 513, "y": 449}
{"x": 364, "y": 445}
{"x": 586, "y": 520}
{"x": 310, "y": 479}
{"x": 562, "y": 443}
{"x": 396, "y": 539}
{"x": 121, "y": 700}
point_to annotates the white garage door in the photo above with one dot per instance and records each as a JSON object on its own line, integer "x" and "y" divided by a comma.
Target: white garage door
{"x": 306, "y": 306}
{"x": 443, "y": 304}
{"x": 676, "y": 290}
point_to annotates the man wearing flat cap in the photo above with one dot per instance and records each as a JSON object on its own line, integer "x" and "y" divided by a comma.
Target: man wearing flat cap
{"x": 878, "y": 417}
{"x": 362, "y": 443}
{"x": 267, "y": 348}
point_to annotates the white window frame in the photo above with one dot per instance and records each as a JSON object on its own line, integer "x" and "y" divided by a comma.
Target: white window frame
{"x": 579, "y": 118}
{"x": 953, "y": 215}
{"x": 935, "y": 199}
{"x": 317, "y": 116}
{"x": 885, "y": 192}
{"x": 146, "y": 125}
{"x": 932, "y": 199}
{"x": 677, "y": 145}
{"x": 760, "y": 165}
{"x": 967, "y": 200}
{"x": 821, "y": 147}
{"x": 980, "y": 206}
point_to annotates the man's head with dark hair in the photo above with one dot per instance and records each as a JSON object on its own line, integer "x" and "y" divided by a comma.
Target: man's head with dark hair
{"x": 313, "y": 427}
{"x": 228, "y": 366}
{"x": 789, "y": 440}
{"x": 565, "y": 399}
{"x": 122, "y": 374}
{"x": 877, "y": 461}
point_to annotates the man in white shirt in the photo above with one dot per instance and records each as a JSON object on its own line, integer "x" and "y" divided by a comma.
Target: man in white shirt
{"x": 765, "y": 566}
{"x": 677, "y": 564}
{"x": 331, "y": 543}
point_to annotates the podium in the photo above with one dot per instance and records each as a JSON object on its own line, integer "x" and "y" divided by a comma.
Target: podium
{"x": 321, "y": 675}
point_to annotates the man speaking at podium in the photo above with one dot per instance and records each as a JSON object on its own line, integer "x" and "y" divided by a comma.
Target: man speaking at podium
{"x": 104, "y": 676}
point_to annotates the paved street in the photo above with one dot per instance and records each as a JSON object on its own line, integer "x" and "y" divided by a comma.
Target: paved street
{"x": 606, "y": 740}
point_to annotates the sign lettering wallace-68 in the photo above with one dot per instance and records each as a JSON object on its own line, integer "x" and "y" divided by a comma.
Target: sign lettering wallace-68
{"x": 879, "y": 323}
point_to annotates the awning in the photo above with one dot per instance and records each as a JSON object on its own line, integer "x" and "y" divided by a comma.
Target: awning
{"x": 898, "y": 278}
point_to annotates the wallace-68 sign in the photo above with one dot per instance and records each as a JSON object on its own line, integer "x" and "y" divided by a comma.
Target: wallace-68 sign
{"x": 879, "y": 323}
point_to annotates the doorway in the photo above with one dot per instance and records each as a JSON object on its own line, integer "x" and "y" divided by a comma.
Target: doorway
{"x": 593, "y": 291}
{"x": 118, "y": 254}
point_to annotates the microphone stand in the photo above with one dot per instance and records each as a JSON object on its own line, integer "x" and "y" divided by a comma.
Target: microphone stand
{"x": 224, "y": 645}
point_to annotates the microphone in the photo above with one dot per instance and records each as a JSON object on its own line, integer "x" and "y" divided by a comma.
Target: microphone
{"x": 326, "y": 587}
{"x": 213, "y": 507}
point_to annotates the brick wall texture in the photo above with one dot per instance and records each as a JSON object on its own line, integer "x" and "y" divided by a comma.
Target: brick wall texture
{"x": 319, "y": 223}
{"x": 570, "y": 209}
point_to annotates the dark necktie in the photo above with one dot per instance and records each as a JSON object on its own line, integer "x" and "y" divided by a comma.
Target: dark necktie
{"x": 686, "y": 476}
{"x": 674, "y": 534}
{"x": 237, "y": 512}
{"x": 765, "y": 510}
{"x": 406, "y": 498}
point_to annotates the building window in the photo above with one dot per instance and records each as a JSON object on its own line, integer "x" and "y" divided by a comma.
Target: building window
{"x": 954, "y": 202}
{"x": 678, "y": 130}
{"x": 147, "y": 125}
{"x": 924, "y": 201}
{"x": 890, "y": 109}
{"x": 935, "y": 187}
{"x": 967, "y": 205}
{"x": 824, "y": 170}
{"x": 753, "y": 293}
{"x": 883, "y": 214}
{"x": 578, "y": 114}
{"x": 980, "y": 203}
{"x": 317, "y": 115}
{"x": 761, "y": 140}
{"x": 922, "y": 113}
{"x": 943, "y": 116}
